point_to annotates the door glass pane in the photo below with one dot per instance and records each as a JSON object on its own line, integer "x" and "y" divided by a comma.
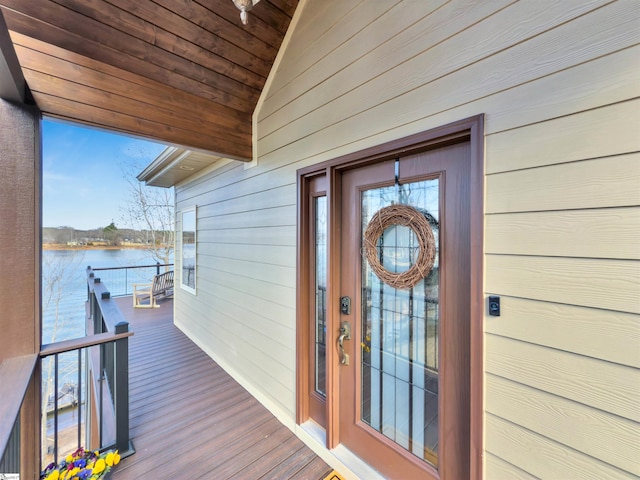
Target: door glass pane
{"x": 320, "y": 206}
{"x": 399, "y": 367}
{"x": 398, "y": 248}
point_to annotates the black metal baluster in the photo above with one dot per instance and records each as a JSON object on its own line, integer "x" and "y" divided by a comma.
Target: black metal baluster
{"x": 55, "y": 408}
{"x": 101, "y": 387}
{"x": 79, "y": 396}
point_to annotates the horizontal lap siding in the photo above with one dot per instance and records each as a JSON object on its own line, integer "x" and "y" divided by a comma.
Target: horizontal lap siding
{"x": 562, "y": 248}
{"x": 498, "y": 468}
{"x": 610, "y": 336}
{"x": 540, "y": 456}
{"x": 612, "y": 233}
{"x": 610, "y": 439}
{"x": 558, "y": 84}
{"x": 244, "y": 310}
{"x": 414, "y": 94}
{"x": 562, "y": 244}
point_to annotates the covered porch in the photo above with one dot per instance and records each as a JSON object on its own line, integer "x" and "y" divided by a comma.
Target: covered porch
{"x": 188, "y": 417}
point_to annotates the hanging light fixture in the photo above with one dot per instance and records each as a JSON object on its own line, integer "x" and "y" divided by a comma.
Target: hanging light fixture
{"x": 244, "y": 6}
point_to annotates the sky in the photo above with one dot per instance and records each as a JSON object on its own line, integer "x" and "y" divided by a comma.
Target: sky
{"x": 83, "y": 180}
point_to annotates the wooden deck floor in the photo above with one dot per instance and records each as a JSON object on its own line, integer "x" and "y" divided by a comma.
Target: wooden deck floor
{"x": 189, "y": 419}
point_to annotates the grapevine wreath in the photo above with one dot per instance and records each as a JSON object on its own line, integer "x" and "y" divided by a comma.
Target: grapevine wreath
{"x": 407, "y": 216}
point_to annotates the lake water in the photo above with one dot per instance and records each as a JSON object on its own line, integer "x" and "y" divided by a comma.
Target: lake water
{"x": 64, "y": 293}
{"x": 64, "y": 285}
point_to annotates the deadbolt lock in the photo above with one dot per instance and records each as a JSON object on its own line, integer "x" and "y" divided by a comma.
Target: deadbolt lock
{"x": 345, "y": 305}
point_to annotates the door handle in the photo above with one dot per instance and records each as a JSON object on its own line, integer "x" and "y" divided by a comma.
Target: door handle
{"x": 345, "y": 334}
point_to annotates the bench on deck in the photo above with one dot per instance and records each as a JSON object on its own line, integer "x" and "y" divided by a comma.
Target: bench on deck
{"x": 160, "y": 287}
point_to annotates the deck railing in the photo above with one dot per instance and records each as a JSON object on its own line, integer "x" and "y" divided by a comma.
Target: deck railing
{"x": 121, "y": 279}
{"x": 92, "y": 407}
{"x": 108, "y": 369}
{"x": 99, "y": 401}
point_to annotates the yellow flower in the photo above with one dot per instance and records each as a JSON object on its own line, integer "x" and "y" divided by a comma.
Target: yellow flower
{"x": 55, "y": 475}
{"x": 73, "y": 472}
{"x": 99, "y": 467}
{"x": 109, "y": 459}
{"x": 69, "y": 458}
{"x": 116, "y": 458}
{"x": 64, "y": 475}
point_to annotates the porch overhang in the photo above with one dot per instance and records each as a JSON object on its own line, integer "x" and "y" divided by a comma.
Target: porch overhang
{"x": 176, "y": 164}
{"x": 187, "y": 74}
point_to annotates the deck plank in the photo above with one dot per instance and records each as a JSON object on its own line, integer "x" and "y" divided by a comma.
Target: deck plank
{"x": 316, "y": 468}
{"x": 290, "y": 466}
{"x": 189, "y": 418}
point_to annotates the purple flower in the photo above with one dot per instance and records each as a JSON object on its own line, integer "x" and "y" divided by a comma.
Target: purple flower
{"x": 78, "y": 453}
{"x": 84, "y": 474}
{"x": 81, "y": 463}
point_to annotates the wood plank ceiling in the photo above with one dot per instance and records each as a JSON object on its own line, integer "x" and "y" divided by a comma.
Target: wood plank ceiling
{"x": 183, "y": 72}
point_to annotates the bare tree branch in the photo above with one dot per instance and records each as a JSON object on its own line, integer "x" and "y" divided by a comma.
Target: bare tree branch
{"x": 151, "y": 211}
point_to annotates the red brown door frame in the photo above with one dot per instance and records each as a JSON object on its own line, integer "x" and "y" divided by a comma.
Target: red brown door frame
{"x": 471, "y": 129}
{"x": 312, "y": 405}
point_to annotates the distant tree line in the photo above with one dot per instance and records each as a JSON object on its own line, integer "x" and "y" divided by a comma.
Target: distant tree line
{"x": 149, "y": 210}
{"x": 110, "y": 235}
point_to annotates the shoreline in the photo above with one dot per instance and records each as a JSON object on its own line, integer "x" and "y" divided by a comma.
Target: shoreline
{"x": 56, "y": 246}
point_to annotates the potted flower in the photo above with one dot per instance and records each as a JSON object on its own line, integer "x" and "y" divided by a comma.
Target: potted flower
{"x": 82, "y": 465}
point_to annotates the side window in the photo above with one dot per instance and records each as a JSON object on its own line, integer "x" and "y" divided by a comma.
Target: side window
{"x": 188, "y": 250}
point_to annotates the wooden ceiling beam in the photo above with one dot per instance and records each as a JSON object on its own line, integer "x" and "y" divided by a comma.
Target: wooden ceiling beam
{"x": 220, "y": 26}
{"x": 169, "y": 20}
{"x": 183, "y": 72}
{"x": 109, "y": 79}
{"x": 82, "y": 94}
{"x": 287, "y": 6}
{"x": 271, "y": 34}
{"x": 96, "y": 116}
{"x": 271, "y": 15}
{"x": 77, "y": 33}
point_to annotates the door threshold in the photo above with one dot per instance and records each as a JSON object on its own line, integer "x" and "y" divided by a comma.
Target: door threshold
{"x": 345, "y": 462}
